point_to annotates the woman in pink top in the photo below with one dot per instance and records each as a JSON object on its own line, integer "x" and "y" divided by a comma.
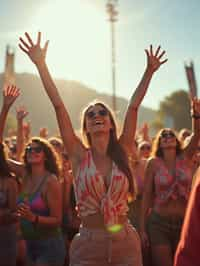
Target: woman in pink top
{"x": 168, "y": 182}
{"x": 102, "y": 176}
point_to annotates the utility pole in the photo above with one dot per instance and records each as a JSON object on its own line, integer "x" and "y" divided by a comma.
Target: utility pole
{"x": 112, "y": 12}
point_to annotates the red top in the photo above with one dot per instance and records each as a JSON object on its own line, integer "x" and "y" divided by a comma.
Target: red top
{"x": 188, "y": 251}
{"x": 92, "y": 196}
{"x": 168, "y": 186}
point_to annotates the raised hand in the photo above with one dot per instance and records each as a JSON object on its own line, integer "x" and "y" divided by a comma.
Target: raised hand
{"x": 43, "y": 132}
{"x": 36, "y": 53}
{"x": 195, "y": 107}
{"x": 10, "y": 94}
{"x": 21, "y": 112}
{"x": 154, "y": 60}
{"x": 27, "y": 130}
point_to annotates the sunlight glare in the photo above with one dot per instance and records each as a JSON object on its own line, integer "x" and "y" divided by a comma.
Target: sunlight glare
{"x": 79, "y": 37}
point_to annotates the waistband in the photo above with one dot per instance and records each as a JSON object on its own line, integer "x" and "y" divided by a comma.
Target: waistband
{"x": 109, "y": 237}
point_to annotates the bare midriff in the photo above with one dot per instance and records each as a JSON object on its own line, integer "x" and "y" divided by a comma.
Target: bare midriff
{"x": 175, "y": 208}
{"x": 96, "y": 221}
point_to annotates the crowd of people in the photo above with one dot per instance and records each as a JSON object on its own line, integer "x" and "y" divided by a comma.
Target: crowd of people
{"x": 109, "y": 198}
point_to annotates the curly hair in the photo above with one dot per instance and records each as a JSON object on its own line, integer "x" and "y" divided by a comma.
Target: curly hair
{"x": 114, "y": 151}
{"x": 157, "y": 151}
{"x": 51, "y": 163}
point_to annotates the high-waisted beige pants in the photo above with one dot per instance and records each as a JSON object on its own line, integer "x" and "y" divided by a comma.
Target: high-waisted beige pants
{"x": 96, "y": 247}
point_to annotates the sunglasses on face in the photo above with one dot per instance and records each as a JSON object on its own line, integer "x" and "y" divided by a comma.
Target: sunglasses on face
{"x": 92, "y": 114}
{"x": 146, "y": 147}
{"x": 30, "y": 149}
{"x": 55, "y": 143}
{"x": 167, "y": 135}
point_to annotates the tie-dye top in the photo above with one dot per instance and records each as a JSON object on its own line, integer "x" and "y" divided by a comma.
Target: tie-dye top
{"x": 92, "y": 196}
{"x": 168, "y": 186}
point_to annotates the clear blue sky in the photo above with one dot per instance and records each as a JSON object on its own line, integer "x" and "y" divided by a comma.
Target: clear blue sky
{"x": 79, "y": 37}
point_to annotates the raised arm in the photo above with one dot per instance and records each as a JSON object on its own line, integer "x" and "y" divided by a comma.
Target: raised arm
{"x": 153, "y": 63}
{"x": 190, "y": 149}
{"x": 147, "y": 199}
{"x": 37, "y": 54}
{"x": 10, "y": 94}
{"x": 21, "y": 113}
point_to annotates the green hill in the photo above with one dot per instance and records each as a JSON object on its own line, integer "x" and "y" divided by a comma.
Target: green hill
{"x": 75, "y": 96}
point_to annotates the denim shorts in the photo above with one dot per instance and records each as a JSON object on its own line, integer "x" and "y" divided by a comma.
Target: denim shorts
{"x": 49, "y": 251}
{"x": 164, "y": 230}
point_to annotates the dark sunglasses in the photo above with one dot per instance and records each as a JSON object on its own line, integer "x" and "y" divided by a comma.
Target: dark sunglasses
{"x": 30, "y": 149}
{"x": 169, "y": 134}
{"x": 13, "y": 149}
{"x": 92, "y": 114}
{"x": 146, "y": 147}
{"x": 65, "y": 156}
{"x": 56, "y": 143}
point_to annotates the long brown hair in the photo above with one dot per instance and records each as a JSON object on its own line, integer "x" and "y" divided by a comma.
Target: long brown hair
{"x": 52, "y": 162}
{"x": 4, "y": 168}
{"x": 114, "y": 151}
{"x": 157, "y": 150}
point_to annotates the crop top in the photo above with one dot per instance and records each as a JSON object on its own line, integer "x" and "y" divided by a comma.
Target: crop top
{"x": 92, "y": 196}
{"x": 168, "y": 186}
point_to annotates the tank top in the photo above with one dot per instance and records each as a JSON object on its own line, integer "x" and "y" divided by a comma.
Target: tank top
{"x": 39, "y": 207}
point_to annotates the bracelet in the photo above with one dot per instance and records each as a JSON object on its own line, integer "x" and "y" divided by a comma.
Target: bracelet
{"x": 196, "y": 116}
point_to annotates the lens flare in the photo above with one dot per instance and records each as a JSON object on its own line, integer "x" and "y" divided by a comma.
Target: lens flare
{"x": 115, "y": 228}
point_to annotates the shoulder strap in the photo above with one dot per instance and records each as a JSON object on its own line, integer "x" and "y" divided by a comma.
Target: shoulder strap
{"x": 38, "y": 189}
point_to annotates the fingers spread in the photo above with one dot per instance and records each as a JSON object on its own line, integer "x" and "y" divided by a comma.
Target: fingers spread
{"x": 22, "y": 48}
{"x": 161, "y": 55}
{"x": 157, "y": 51}
{"x": 29, "y": 39}
{"x": 39, "y": 38}
{"x": 46, "y": 46}
{"x": 24, "y": 43}
{"x": 151, "y": 50}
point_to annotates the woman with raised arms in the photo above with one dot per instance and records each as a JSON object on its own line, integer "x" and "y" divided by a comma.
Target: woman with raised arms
{"x": 103, "y": 178}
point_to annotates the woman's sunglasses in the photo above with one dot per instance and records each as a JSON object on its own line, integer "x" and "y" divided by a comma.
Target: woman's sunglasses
{"x": 92, "y": 114}
{"x": 145, "y": 147}
{"x": 30, "y": 149}
{"x": 56, "y": 143}
{"x": 169, "y": 134}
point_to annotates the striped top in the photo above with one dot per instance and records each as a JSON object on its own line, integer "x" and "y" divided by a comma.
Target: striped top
{"x": 172, "y": 186}
{"x": 92, "y": 196}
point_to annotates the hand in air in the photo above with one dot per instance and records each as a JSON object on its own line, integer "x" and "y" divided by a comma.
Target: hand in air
{"x": 154, "y": 60}
{"x": 195, "y": 106}
{"x": 36, "y": 53}
{"x": 21, "y": 112}
{"x": 10, "y": 94}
